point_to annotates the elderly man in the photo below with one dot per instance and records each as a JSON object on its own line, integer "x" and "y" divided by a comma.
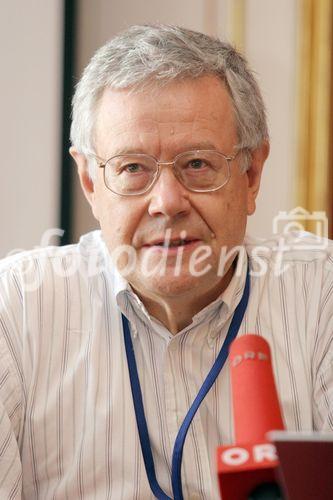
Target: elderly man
{"x": 105, "y": 344}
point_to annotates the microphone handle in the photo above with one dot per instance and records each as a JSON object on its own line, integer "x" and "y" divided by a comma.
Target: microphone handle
{"x": 266, "y": 491}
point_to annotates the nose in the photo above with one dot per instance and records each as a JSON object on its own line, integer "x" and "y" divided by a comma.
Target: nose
{"x": 168, "y": 196}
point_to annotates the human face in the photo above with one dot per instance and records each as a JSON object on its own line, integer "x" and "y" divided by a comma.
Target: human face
{"x": 185, "y": 115}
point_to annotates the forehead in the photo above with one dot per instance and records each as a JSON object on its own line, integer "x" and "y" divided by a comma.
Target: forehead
{"x": 192, "y": 109}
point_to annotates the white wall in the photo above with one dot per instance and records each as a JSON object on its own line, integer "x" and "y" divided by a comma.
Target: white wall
{"x": 270, "y": 29}
{"x": 30, "y": 90}
{"x": 270, "y": 46}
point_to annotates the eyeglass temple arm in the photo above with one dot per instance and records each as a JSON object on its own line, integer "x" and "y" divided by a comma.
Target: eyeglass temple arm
{"x": 100, "y": 161}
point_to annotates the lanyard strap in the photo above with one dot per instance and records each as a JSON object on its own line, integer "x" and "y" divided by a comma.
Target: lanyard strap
{"x": 206, "y": 386}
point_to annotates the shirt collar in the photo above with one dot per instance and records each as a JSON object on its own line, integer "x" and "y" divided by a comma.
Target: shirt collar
{"x": 223, "y": 306}
{"x": 232, "y": 294}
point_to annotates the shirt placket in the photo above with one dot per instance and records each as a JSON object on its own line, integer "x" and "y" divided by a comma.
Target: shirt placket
{"x": 180, "y": 391}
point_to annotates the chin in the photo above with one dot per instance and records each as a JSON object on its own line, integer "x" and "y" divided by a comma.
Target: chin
{"x": 171, "y": 285}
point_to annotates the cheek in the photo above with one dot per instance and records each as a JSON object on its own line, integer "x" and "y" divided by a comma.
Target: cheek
{"x": 229, "y": 219}
{"x": 118, "y": 223}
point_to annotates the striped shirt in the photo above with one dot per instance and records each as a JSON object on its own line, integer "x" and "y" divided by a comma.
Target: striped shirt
{"x": 67, "y": 424}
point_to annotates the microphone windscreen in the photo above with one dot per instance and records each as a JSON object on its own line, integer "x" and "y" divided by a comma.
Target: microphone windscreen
{"x": 255, "y": 401}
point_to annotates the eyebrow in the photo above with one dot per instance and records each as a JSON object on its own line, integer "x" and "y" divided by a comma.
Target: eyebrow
{"x": 189, "y": 147}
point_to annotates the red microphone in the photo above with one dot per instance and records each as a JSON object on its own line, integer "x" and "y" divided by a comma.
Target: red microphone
{"x": 247, "y": 469}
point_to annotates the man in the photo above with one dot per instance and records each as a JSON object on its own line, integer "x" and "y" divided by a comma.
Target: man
{"x": 169, "y": 136}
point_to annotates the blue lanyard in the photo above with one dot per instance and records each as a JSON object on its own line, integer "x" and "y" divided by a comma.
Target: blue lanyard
{"x": 207, "y": 384}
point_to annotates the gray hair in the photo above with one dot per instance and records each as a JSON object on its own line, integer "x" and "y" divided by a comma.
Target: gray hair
{"x": 157, "y": 54}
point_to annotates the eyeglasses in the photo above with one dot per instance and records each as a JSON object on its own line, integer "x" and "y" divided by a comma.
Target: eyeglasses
{"x": 200, "y": 171}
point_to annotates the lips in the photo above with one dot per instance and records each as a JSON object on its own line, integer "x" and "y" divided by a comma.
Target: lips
{"x": 171, "y": 243}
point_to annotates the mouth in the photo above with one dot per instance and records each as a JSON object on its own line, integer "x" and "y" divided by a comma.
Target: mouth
{"x": 175, "y": 243}
{"x": 171, "y": 243}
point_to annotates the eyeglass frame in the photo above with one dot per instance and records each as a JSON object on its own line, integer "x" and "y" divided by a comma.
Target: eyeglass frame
{"x": 228, "y": 159}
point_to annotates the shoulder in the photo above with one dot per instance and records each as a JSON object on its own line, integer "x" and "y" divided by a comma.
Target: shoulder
{"x": 88, "y": 244}
{"x": 294, "y": 249}
{"x": 28, "y": 269}
{"x": 292, "y": 278}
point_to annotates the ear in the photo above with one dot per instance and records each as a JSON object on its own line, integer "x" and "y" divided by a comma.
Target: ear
{"x": 86, "y": 182}
{"x": 258, "y": 158}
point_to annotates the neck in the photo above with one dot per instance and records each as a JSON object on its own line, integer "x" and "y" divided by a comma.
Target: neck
{"x": 176, "y": 312}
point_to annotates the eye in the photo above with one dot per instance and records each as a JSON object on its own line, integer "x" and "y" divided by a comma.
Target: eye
{"x": 131, "y": 168}
{"x": 197, "y": 164}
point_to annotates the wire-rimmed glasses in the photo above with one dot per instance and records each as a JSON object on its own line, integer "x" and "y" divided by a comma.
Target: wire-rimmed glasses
{"x": 134, "y": 174}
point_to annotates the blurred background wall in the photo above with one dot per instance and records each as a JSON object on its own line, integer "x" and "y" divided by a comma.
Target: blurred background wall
{"x": 31, "y": 35}
{"x": 278, "y": 38}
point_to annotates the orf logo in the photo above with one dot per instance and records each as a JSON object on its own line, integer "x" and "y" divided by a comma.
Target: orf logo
{"x": 248, "y": 456}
